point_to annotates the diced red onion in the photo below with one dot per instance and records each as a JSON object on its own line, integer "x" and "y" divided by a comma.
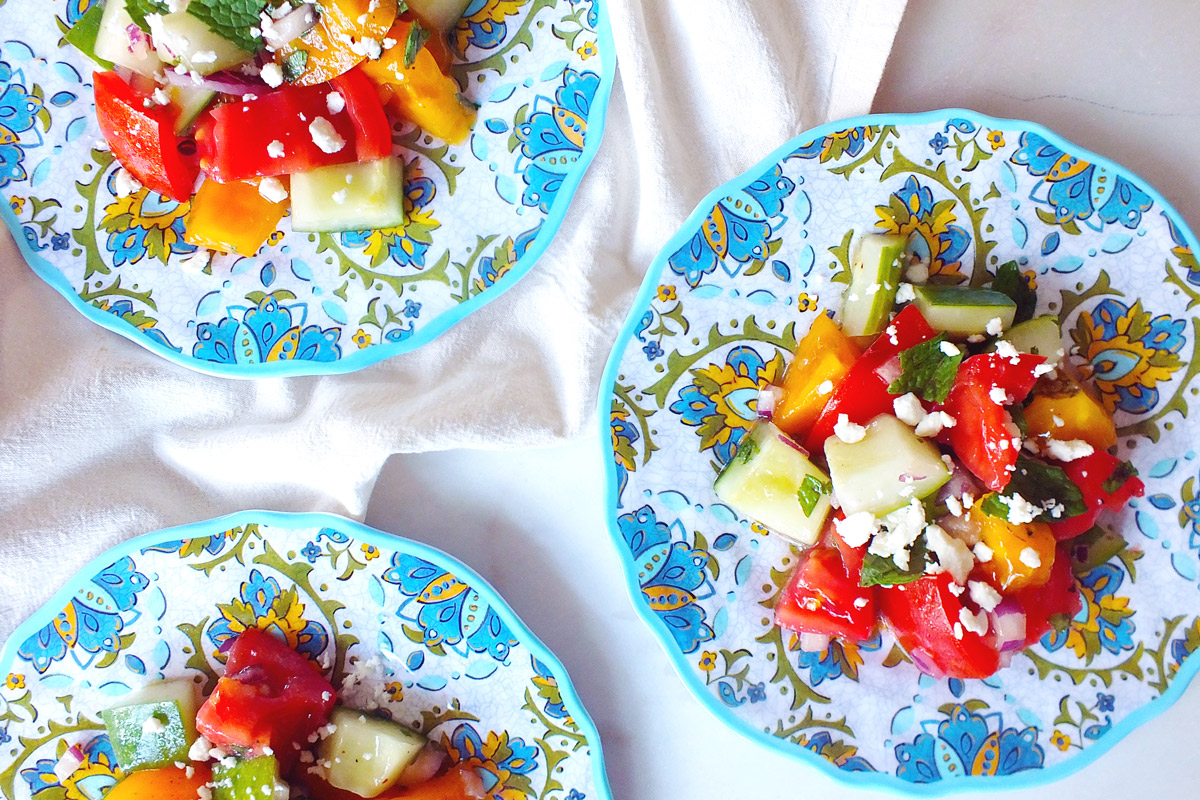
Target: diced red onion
{"x": 924, "y": 663}
{"x": 814, "y": 642}
{"x": 963, "y": 528}
{"x": 427, "y": 764}
{"x": 889, "y": 370}
{"x": 252, "y": 674}
{"x": 70, "y": 761}
{"x": 474, "y": 786}
{"x": 224, "y": 646}
{"x": 292, "y": 25}
{"x": 139, "y": 42}
{"x": 960, "y": 483}
{"x": 792, "y": 443}
{"x": 1008, "y": 623}
{"x": 225, "y": 81}
{"x": 768, "y": 399}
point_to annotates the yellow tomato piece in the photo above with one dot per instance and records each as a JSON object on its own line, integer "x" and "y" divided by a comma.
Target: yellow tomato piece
{"x": 421, "y": 92}
{"x": 335, "y": 44}
{"x": 166, "y": 783}
{"x": 231, "y": 217}
{"x": 1063, "y": 409}
{"x": 1022, "y": 555}
{"x": 824, "y": 354}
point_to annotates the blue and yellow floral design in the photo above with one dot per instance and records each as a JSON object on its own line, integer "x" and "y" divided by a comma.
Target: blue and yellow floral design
{"x": 19, "y": 109}
{"x": 832, "y": 147}
{"x": 143, "y": 224}
{"x": 624, "y": 436}
{"x": 1130, "y": 352}
{"x": 721, "y": 401}
{"x": 484, "y": 23}
{"x": 840, "y": 754}
{"x": 407, "y": 245}
{"x": 92, "y": 622}
{"x": 1104, "y": 624}
{"x": 447, "y": 611}
{"x": 265, "y": 333}
{"x": 552, "y": 139}
{"x": 670, "y": 574}
{"x": 968, "y": 743}
{"x": 738, "y": 228}
{"x": 262, "y": 603}
{"x": 840, "y": 658}
{"x": 97, "y": 774}
{"x": 503, "y": 761}
{"x": 912, "y": 211}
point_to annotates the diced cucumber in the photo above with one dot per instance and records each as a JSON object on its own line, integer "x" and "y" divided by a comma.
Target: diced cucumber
{"x": 113, "y": 43}
{"x": 83, "y": 33}
{"x": 884, "y": 470}
{"x": 248, "y": 779}
{"x": 962, "y": 311}
{"x": 154, "y": 728}
{"x": 776, "y": 484}
{"x": 349, "y": 197}
{"x": 441, "y": 15}
{"x": 183, "y": 39}
{"x": 874, "y": 279}
{"x": 366, "y": 755}
{"x": 1039, "y": 336}
{"x": 190, "y": 102}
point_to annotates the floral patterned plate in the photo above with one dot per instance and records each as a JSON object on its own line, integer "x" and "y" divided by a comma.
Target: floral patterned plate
{"x": 435, "y": 646}
{"x": 481, "y": 213}
{"x": 721, "y": 308}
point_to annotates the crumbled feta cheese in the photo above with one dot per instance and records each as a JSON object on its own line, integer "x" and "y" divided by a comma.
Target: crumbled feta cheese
{"x": 949, "y": 348}
{"x": 955, "y": 589}
{"x": 153, "y": 725}
{"x": 272, "y": 74}
{"x": 161, "y": 97}
{"x": 1030, "y": 558}
{"x": 891, "y": 332}
{"x": 917, "y": 272}
{"x": 124, "y": 184}
{"x": 1057, "y": 420}
{"x": 1045, "y": 368}
{"x": 849, "y": 432}
{"x": 204, "y": 57}
{"x": 976, "y": 338}
{"x": 823, "y": 389}
{"x": 953, "y": 506}
{"x": 973, "y": 621}
{"x": 1020, "y": 510}
{"x": 860, "y": 602}
{"x": 908, "y": 409}
{"x": 1068, "y": 450}
{"x": 1005, "y": 349}
{"x": 905, "y": 293}
{"x": 968, "y": 500}
{"x": 897, "y": 532}
{"x": 998, "y": 395}
{"x": 983, "y": 595}
{"x": 994, "y": 327}
{"x": 388, "y": 43}
{"x": 958, "y": 630}
{"x": 933, "y": 424}
{"x": 197, "y": 261}
{"x": 275, "y": 149}
{"x": 204, "y": 792}
{"x": 335, "y": 103}
{"x": 857, "y": 528}
{"x": 368, "y": 47}
{"x": 339, "y": 196}
{"x": 272, "y": 189}
{"x": 952, "y": 554}
{"x": 982, "y": 552}
{"x": 325, "y": 136}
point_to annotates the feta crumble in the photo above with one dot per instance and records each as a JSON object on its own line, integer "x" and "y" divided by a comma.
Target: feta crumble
{"x": 335, "y": 103}
{"x": 124, "y": 184}
{"x": 994, "y": 327}
{"x": 857, "y": 528}
{"x": 949, "y": 348}
{"x": 204, "y": 57}
{"x": 275, "y": 149}
{"x": 908, "y": 409}
{"x": 933, "y": 424}
{"x": 898, "y": 531}
{"x": 339, "y": 196}
{"x": 952, "y": 554}
{"x": 983, "y": 595}
{"x": 272, "y": 189}
{"x": 1005, "y": 349}
{"x": 849, "y": 432}
{"x": 998, "y": 396}
{"x": 1068, "y": 450}
{"x": 272, "y": 74}
{"x": 1030, "y": 558}
{"x": 1020, "y": 510}
{"x": 905, "y": 293}
{"x": 917, "y": 272}
{"x": 973, "y": 621}
{"x": 982, "y": 552}
{"x": 153, "y": 725}
{"x": 325, "y": 136}
{"x": 825, "y": 388}
{"x": 953, "y": 506}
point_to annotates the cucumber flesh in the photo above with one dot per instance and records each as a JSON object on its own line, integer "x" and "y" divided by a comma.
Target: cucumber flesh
{"x": 112, "y": 41}
{"x": 1039, "y": 336}
{"x": 874, "y": 279}
{"x": 189, "y": 102}
{"x": 886, "y": 469}
{"x": 349, "y": 197}
{"x": 183, "y": 39}
{"x": 963, "y": 311}
{"x": 154, "y": 728}
{"x": 366, "y": 754}
{"x": 248, "y": 779}
{"x": 776, "y": 484}
{"x": 83, "y": 33}
{"x": 441, "y": 15}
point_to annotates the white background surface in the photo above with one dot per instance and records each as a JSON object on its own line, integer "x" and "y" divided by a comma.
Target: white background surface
{"x": 1120, "y": 79}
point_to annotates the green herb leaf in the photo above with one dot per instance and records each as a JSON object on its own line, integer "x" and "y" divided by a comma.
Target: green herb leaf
{"x": 927, "y": 371}
{"x": 880, "y": 571}
{"x": 1042, "y": 485}
{"x": 993, "y": 506}
{"x": 1123, "y": 472}
{"x": 1017, "y": 412}
{"x": 295, "y": 65}
{"x": 1095, "y": 547}
{"x": 417, "y": 37}
{"x": 401, "y": 8}
{"x": 1011, "y": 282}
{"x": 84, "y": 32}
{"x": 231, "y": 20}
{"x": 138, "y": 9}
{"x": 810, "y": 493}
{"x": 746, "y": 450}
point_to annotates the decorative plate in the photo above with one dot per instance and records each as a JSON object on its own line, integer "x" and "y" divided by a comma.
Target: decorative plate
{"x": 721, "y": 309}
{"x": 436, "y": 646}
{"x": 481, "y": 213}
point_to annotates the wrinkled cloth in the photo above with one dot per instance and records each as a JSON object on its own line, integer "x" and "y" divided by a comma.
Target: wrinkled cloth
{"x": 101, "y": 440}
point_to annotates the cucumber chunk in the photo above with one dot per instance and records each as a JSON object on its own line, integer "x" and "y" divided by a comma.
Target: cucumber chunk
{"x": 83, "y": 34}
{"x": 367, "y": 754}
{"x": 776, "y": 484}
{"x": 181, "y": 38}
{"x": 249, "y": 779}
{"x": 190, "y": 102}
{"x": 1039, "y": 336}
{"x": 963, "y": 311}
{"x": 874, "y": 279}
{"x": 113, "y": 44}
{"x": 441, "y": 15}
{"x": 154, "y": 728}
{"x": 884, "y": 470}
{"x": 349, "y": 197}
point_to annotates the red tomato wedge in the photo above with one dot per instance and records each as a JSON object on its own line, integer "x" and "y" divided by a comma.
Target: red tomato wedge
{"x": 270, "y": 696}
{"x": 1059, "y": 595}
{"x": 862, "y": 394}
{"x": 823, "y": 597}
{"x": 142, "y": 138}
{"x": 923, "y": 615}
{"x": 373, "y": 132}
{"x": 1090, "y": 473}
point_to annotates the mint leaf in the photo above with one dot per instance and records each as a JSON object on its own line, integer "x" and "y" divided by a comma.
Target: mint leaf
{"x": 1042, "y": 485}
{"x": 810, "y": 493}
{"x": 1011, "y": 282}
{"x": 84, "y": 32}
{"x": 927, "y": 371}
{"x": 231, "y": 20}
{"x": 746, "y": 450}
{"x": 417, "y": 37}
{"x": 138, "y": 9}
{"x": 295, "y": 65}
{"x": 1123, "y": 472}
{"x": 880, "y": 571}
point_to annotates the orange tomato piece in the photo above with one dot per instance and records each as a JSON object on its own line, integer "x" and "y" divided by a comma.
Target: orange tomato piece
{"x": 328, "y": 46}
{"x": 166, "y": 783}
{"x": 459, "y": 783}
{"x": 231, "y": 217}
{"x": 824, "y": 354}
{"x": 1011, "y": 567}
{"x": 1064, "y": 409}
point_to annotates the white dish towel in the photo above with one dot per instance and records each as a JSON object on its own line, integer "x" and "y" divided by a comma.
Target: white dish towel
{"x": 100, "y": 440}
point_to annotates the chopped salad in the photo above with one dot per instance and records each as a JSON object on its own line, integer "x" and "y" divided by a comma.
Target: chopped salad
{"x": 942, "y": 462}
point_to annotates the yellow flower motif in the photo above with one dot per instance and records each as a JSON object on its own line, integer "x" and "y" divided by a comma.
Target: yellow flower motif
{"x": 362, "y": 338}
{"x": 275, "y": 238}
{"x": 155, "y": 217}
{"x": 395, "y": 690}
{"x": 666, "y": 293}
{"x": 370, "y": 552}
{"x": 17, "y": 204}
{"x": 708, "y": 661}
{"x": 1060, "y": 740}
{"x": 806, "y": 302}
{"x": 1030, "y": 278}
{"x": 587, "y": 51}
{"x": 759, "y": 528}
{"x": 15, "y": 681}
{"x": 996, "y": 139}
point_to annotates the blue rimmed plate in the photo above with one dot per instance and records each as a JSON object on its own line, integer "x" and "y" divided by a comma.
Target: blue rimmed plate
{"x": 481, "y": 213}
{"x": 441, "y": 649}
{"x": 720, "y": 310}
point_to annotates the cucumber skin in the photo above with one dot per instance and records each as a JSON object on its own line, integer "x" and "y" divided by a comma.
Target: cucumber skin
{"x": 865, "y": 313}
{"x": 1039, "y": 336}
{"x": 392, "y": 748}
{"x": 963, "y": 311}
{"x": 875, "y": 464}
{"x": 135, "y": 749}
{"x": 245, "y": 779}
{"x": 373, "y": 200}
{"x": 82, "y": 35}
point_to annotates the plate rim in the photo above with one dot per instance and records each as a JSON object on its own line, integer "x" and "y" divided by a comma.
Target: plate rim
{"x": 872, "y": 780}
{"x": 293, "y": 521}
{"x": 360, "y": 359}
